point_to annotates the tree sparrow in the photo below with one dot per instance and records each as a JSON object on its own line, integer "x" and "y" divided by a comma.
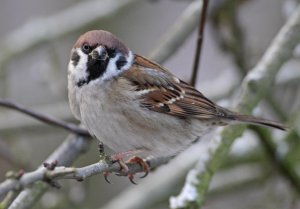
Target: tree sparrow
{"x": 132, "y": 103}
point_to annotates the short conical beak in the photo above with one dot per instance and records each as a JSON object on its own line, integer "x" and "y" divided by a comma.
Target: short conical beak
{"x": 99, "y": 53}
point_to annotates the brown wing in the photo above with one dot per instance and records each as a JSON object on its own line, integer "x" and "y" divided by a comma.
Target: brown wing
{"x": 161, "y": 91}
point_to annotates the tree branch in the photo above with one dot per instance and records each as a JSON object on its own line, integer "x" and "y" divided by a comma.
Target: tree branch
{"x": 200, "y": 38}
{"x": 166, "y": 180}
{"x": 234, "y": 43}
{"x": 65, "y": 154}
{"x": 254, "y": 87}
{"x": 45, "y": 118}
{"x": 62, "y": 172}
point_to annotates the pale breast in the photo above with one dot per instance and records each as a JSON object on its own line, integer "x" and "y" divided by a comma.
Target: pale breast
{"x": 121, "y": 124}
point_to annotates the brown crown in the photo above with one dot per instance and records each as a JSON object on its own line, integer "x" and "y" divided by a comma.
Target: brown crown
{"x": 101, "y": 37}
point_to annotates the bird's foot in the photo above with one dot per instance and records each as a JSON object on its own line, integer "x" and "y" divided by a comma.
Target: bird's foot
{"x": 142, "y": 163}
{"x": 126, "y": 172}
{"x": 119, "y": 158}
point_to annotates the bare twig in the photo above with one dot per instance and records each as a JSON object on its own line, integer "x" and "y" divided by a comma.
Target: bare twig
{"x": 45, "y": 118}
{"x": 80, "y": 174}
{"x": 254, "y": 87}
{"x": 148, "y": 194}
{"x": 66, "y": 153}
{"x": 166, "y": 181}
{"x": 200, "y": 38}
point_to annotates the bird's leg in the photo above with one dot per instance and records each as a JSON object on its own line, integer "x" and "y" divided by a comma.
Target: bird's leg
{"x": 104, "y": 158}
{"x": 102, "y": 154}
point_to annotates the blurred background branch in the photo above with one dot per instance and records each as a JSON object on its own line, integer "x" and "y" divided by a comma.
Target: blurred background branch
{"x": 181, "y": 29}
{"x": 39, "y": 31}
{"x": 281, "y": 163}
{"x": 65, "y": 154}
{"x": 45, "y": 118}
{"x": 254, "y": 87}
{"x": 200, "y": 38}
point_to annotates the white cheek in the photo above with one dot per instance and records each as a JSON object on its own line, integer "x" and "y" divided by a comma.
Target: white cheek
{"x": 112, "y": 71}
{"x": 79, "y": 72}
{"x": 71, "y": 68}
{"x": 129, "y": 61}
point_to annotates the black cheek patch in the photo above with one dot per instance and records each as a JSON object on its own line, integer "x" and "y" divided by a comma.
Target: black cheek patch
{"x": 111, "y": 52}
{"x": 75, "y": 58}
{"x": 121, "y": 62}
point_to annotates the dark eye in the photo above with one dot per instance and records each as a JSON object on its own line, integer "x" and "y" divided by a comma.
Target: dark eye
{"x": 86, "y": 48}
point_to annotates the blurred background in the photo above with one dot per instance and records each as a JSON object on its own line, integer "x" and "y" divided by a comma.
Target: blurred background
{"x": 36, "y": 37}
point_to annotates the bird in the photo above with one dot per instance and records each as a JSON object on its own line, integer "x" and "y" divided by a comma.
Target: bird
{"x": 129, "y": 102}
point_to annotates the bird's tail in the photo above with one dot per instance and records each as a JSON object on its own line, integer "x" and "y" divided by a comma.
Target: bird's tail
{"x": 258, "y": 121}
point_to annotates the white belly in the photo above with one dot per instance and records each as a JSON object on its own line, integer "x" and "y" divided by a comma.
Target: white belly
{"x": 123, "y": 125}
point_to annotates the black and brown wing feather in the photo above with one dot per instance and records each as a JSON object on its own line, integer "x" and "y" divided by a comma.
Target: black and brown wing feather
{"x": 161, "y": 91}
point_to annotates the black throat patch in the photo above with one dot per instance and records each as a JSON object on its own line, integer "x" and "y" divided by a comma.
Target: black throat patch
{"x": 96, "y": 68}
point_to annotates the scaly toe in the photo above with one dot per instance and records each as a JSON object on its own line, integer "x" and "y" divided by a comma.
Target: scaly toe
{"x": 142, "y": 163}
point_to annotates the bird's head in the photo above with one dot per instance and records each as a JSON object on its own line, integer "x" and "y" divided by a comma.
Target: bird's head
{"x": 98, "y": 55}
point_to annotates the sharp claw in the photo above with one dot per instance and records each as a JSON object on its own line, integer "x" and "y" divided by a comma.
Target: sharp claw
{"x": 124, "y": 170}
{"x": 131, "y": 176}
{"x": 105, "y": 174}
{"x": 106, "y": 179}
{"x": 142, "y": 163}
{"x": 145, "y": 174}
{"x": 133, "y": 182}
